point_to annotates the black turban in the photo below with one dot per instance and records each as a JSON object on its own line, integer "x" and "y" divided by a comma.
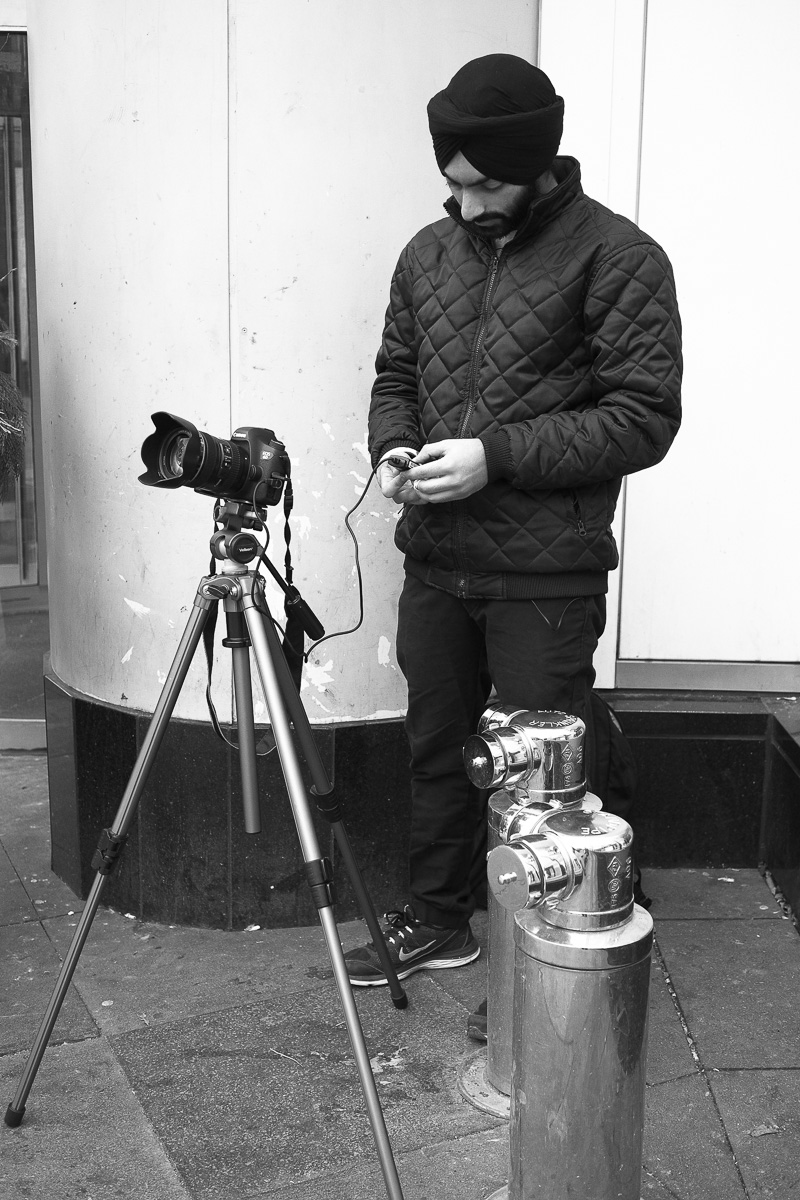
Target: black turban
{"x": 502, "y": 114}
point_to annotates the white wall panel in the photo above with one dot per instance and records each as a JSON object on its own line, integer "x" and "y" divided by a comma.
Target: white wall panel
{"x": 13, "y": 14}
{"x": 129, "y": 150}
{"x": 221, "y": 191}
{"x": 332, "y": 173}
{"x": 593, "y": 52}
{"x": 711, "y": 569}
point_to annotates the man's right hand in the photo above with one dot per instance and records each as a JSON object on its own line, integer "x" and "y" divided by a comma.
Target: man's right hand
{"x": 394, "y": 483}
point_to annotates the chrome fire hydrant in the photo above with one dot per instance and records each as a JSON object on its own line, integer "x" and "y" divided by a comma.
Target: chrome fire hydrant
{"x": 536, "y": 759}
{"x": 580, "y": 1005}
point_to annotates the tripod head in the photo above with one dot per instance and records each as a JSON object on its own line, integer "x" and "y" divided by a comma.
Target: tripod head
{"x": 236, "y": 539}
{"x": 235, "y": 543}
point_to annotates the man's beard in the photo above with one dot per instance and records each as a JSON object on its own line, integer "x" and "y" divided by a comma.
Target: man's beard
{"x": 499, "y": 224}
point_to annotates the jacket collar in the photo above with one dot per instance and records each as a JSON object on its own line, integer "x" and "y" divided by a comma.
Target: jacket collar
{"x": 543, "y": 209}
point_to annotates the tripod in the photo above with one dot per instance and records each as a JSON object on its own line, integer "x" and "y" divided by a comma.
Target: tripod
{"x": 249, "y": 624}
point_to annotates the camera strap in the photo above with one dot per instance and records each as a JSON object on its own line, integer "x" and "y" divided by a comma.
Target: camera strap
{"x": 293, "y": 645}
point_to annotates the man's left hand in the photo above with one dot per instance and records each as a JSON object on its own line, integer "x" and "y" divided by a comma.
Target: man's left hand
{"x": 449, "y": 470}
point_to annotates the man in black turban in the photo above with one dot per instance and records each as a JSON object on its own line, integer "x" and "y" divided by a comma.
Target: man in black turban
{"x": 531, "y": 358}
{"x": 498, "y": 121}
{"x": 502, "y": 114}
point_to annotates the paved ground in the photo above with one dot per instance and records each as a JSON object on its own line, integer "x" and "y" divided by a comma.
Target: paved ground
{"x": 193, "y": 1064}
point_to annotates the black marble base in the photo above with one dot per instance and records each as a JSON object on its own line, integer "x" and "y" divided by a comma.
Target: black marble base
{"x": 780, "y": 820}
{"x": 719, "y": 787}
{"x": 188, "y": 859}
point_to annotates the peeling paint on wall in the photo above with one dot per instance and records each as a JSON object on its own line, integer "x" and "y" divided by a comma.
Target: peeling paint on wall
{"x": 138, "y": 609}
{"x": 317, "y": 675}
{"x": 384, "y": 646}
{"x": 362, "y": 449}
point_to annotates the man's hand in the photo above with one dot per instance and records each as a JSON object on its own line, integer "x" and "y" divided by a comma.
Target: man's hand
{"x": 449, "y": 470}
{"x": 395, "y": 484}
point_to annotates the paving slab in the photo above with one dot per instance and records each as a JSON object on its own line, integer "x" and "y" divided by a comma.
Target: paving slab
{"x": 24, "y": 788}
{"x": 653, "y": 1189}
{"x": 246, "y": 1099}
{"x": 466, "y": 1168}
{"x": 16, "y": 905}
{"x": 133, "y": 974}
{"x": 669, "y": 1055}
{"x": 761, "y": 1111}
{"x": 709, "y": 894}
{"x": 686, "y": 1151}
{"x": 84, "y": 1135}
{"x": 737, "y": 981}
{"x": 29, "y": 967}
{"x": 19, "y": 773}
{"x": 25, "y": 835}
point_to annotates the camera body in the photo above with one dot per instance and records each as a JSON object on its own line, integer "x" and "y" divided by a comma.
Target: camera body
{"x": 251, "y": 468}
{"x": 269, "y": 465}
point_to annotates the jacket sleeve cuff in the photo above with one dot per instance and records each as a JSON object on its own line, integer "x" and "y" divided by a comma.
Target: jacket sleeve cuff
{"x": 408, "y": 444}
{"x": 497, "y": 448}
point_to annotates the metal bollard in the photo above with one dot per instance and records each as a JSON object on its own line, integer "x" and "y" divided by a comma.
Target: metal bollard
{"x": 581, "y": 984}
{"x": 538, "y": 756}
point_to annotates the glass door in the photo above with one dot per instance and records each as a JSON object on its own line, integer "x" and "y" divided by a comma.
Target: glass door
{"x": 18, "y": 558}
{"x": 24, "y": 634}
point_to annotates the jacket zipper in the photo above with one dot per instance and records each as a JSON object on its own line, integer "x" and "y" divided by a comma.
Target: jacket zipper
{"x": 472, "y": 377}
{"x": 460, "y": 520}
{"x": 576, "y": 504}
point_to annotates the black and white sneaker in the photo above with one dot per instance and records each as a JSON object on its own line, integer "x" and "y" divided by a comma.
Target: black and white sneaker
{"x": 412, "y": 947}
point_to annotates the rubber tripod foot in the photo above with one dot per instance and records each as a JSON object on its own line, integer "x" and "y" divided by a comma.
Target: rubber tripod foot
{"x": 14, "y": 1116}
{"x": 400, "y": 1001}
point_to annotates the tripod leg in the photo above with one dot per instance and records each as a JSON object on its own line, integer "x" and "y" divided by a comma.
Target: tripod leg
{"x": 316, "y": 869}
{"x": 291, "y": 699}
{"x": 243, "y": 692}
{"x": 330, "y": 808}
{"x": 110, "y": 846}
{"x": 379, "y": 1133}
{"x": 239, "y": 644}
{"x": 396, "y": 990}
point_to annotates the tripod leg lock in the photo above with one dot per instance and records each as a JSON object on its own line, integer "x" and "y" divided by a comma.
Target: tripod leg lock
{"x": 109, "y": 848}
{"x": 319, "y": 873}
{"x": 327, "y": 805}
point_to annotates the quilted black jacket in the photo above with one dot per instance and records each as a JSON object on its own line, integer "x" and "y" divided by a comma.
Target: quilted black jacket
{"x": 562, "y": 353}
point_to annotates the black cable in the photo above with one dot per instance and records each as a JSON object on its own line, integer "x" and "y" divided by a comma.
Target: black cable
{"x": 262, "y": 558}
{"x": 358, "y": 624}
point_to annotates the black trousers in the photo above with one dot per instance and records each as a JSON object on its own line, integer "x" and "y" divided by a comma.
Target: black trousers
{"x": 537, "y": 654}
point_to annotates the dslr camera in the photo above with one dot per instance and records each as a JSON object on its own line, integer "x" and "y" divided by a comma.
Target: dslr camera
{"x": 251, "y": 468}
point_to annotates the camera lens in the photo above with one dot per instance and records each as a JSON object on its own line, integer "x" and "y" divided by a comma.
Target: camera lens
{"x": 216, "y": 465}
{"x": 252, "y": 467}
{"x": 172, "y": 455}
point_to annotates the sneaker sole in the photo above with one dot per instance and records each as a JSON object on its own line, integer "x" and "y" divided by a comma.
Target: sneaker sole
{"x": 477, "y": 1033}
{"x": 432, "y": 964}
